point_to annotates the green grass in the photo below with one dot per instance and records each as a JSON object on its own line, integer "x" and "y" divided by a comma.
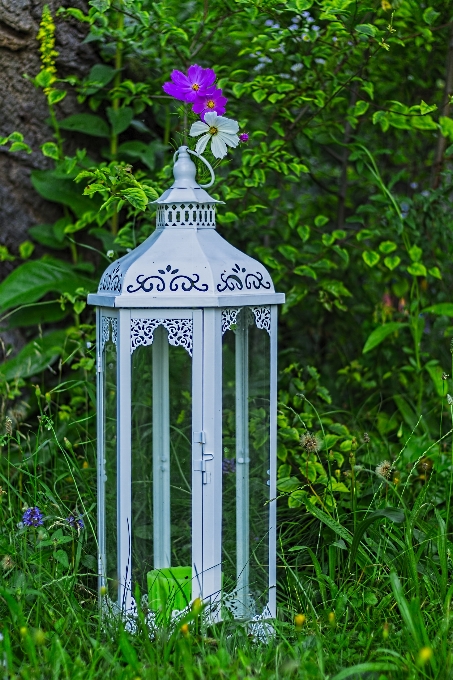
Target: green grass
{"x": 373, "y": 584}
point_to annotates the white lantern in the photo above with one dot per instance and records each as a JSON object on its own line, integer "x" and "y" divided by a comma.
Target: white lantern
{"x": 186, "y": 408}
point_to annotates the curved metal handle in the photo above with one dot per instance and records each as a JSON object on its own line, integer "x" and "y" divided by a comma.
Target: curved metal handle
{"x": 208, "y": 165}
{"x": 203, "y": 186}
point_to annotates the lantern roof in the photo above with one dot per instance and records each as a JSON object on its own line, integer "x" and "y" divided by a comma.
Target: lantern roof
{"x": 185, "y": 262}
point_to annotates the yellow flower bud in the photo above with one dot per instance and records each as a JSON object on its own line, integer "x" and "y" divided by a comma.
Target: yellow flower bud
{"x": 103, "y": 590}
{"x": 23, "y": 631}
{"x": 299, "y": 620}
{"x": 331, "y": 618}
{"x": 385, "y": 630}
{"x": 424, "y": 655}
{"x": 185, "y": 629}
{"x": 39, "y": 636}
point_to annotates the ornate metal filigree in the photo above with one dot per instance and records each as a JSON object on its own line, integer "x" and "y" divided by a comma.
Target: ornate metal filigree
{"x": 261, "y": 316}
{"x": 239, "y": 279}
{"x": 182, "y": 215}
{"x": 229, "y": 318}
{"x": 112, "y": 280}
{"x": 109, "y": 330}
{"x": 180, "y": 332}
{"x": 159, "y": 284}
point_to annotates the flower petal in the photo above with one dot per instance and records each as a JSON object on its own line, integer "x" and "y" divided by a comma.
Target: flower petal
{"x": 202, "y": 142}
{"x": 218, "y": 147}
{"x": 198, "y": 128}
{"x": 207, "y": 77}
{"x": 179, "y": 78}
{"x": 231, "y": 140}
{"x": 227, "y": 125}
{"x": 211, "y": 118}
{"x": 174, "y": 91}
{"x": 195, "y": 74}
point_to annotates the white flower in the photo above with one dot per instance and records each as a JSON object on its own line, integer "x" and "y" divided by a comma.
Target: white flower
{"x": 221, "y": 131}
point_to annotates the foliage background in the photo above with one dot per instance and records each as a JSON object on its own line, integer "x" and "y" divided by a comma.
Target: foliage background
{"x": 343, "y": 192}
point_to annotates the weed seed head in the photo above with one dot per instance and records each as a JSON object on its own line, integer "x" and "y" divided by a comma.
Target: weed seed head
{"x": 7, "y": 563}
{"x": 384, "y": 469}
{"x": 8, "y": 426}
{"x": 366, "y": 438}
{"x": 311, "y": 442}
{"x": 449, "y": 400}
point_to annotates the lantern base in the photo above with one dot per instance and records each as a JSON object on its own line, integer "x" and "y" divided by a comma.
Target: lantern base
{"x": 170, "y": 588}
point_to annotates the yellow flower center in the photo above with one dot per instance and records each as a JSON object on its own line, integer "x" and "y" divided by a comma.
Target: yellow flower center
{"x": 213, "y": 130}
{"x": 210, "y": 104}
{"x": 195, "y": 87}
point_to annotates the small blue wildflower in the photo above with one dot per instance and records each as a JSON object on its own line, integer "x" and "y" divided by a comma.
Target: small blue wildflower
{"x": 76, "y": 522}
{"x": 32, "y": 517}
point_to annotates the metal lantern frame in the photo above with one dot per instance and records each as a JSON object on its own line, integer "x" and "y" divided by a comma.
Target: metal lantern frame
{"x": 186, "y": 286}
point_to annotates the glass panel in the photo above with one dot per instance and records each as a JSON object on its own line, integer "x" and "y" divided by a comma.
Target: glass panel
{"x": 161, "y": 469}
{"x": 110, "y": 442}
{"x": 245, "y": 542}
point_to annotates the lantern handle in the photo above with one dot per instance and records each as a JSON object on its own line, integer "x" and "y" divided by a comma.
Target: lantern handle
{"x": 208, "y": 165}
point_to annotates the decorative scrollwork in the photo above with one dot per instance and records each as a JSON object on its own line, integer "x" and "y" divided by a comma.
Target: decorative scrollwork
{"x": 239, "y": 279}
{"x": 109, "y": 323}
{"x": 180, "y": 332}
{"x": 187, "y": 283}
{"x": 262, "y": 318}
{"x": 229, "y": 318}
{"x": 112, "y": 280}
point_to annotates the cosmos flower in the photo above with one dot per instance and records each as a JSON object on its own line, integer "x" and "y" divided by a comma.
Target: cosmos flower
{"x": 221, "y": 132}
{"x": 244, "y": 137}
{"x": 32, "y": 517}
{"x": 187, "y": 87}
{"x": 213, "y": 100}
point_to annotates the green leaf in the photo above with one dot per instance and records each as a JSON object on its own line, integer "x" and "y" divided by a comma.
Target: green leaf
{"x": 120, "y": 119}
{"x": 259, "y": 95}
{"x": 100, "y": 75}
{"x": 393, "y": 514}
{"x": 26, "y": 249}
{"x": 371, "y": 257}
{"x": 360, "y": 108}
{"x": 56, "y": 96}
{"x": 321, "y": 220}
{"x": 415, "y": 253}
{"x": 19, "y": 146}
{"x": 34, "y": 357}
{"x": 366, "y": 29}
{"x": 379, "y": 334}
{"x": 392, "y": 262}
{"x": 417, "y": 269}
{"x": 430, "y": 15}
{"x": 304, "y": 232}
{"x": 446, "y": 127}
{"x": 387, "y": 247}
{"x": 288, "y": 484}
{"x": 61, "y": 556}
{"x": 62, "y": 191}
{"x": 436, "y": 373}
{"x": 442, "y": 308}
{"x": 136, "y": 197}
{"x": 87, "y": 123}
{"x": 34, "y": 279}
{"x": 50, "y": 149}
{"x": 365, "y": 668}
{"x": 435, "y": 271}
{"x": 339, "y": 486}
{"x": 304, "y": 270}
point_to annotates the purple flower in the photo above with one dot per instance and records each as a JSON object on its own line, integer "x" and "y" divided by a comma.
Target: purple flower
{"x": 244, "y": 137}
{"x": 186, "y": 88}
{"x": 32, "y": 517}
{"x": 213, "y": 100}
{"x": 76, "y": 522}
{"x": 228, "y": 465}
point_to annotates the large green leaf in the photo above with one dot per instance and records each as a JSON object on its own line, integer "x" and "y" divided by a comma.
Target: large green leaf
{"x": 443, "y": 309}
{"x": 120, "y": 119}
{"x": 34, "y": 279}
{"x": 34, "y": 357}
{"x": 379, "y": 334}
{"x": 86, "y": 123}
{"x": 62, "y": 191}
